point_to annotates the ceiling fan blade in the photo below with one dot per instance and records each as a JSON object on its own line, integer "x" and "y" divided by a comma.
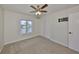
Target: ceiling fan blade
{"x": 43, "y": 11}
{"x": 33, "y": 7}
{"x": 44, "y": 6}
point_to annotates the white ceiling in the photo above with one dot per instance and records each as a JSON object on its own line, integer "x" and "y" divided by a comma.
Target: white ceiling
{"x": 25, "y": 8}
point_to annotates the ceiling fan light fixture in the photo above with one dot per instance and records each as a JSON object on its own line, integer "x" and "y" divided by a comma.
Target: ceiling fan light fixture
{"x": 38, "y": 13}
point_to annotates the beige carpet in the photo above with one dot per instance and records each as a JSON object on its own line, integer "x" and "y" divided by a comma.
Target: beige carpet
{"x": 36, "y": 45}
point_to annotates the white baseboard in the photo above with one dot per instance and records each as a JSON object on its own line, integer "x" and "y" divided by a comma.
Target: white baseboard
{"x": 22, "y": 39}
{"x": 54, "y": 40}
{"x": 35, "y": 36}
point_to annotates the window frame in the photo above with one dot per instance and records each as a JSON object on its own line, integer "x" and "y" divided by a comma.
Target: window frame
{"x": 21, "y": 27}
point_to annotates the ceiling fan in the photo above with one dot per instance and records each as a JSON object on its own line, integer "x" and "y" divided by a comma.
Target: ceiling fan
{"x": 39, "y": 10}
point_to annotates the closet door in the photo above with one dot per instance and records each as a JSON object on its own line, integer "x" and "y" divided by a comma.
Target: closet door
{"x": 74, "y": 31}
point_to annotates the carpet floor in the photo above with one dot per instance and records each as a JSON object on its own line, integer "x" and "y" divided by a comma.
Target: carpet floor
{"x": 36, "y": 45}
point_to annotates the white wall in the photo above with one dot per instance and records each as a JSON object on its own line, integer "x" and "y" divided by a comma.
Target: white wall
{"x": 55, "y": 30}
{"x": 1, "y": 29}
{"x": 11, "y": 26}
{"x": 46, "y": 26}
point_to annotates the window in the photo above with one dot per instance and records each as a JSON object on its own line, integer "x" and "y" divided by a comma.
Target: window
{"x": 25, "y": 26}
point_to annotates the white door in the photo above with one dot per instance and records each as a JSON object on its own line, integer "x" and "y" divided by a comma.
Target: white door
{"x": 74, "y": 29}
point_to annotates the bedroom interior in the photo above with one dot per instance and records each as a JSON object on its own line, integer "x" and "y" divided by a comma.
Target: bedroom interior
{"x": 39, "y": 29}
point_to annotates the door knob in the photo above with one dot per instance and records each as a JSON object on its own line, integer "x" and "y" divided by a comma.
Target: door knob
{"x": 70, "y": 32}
